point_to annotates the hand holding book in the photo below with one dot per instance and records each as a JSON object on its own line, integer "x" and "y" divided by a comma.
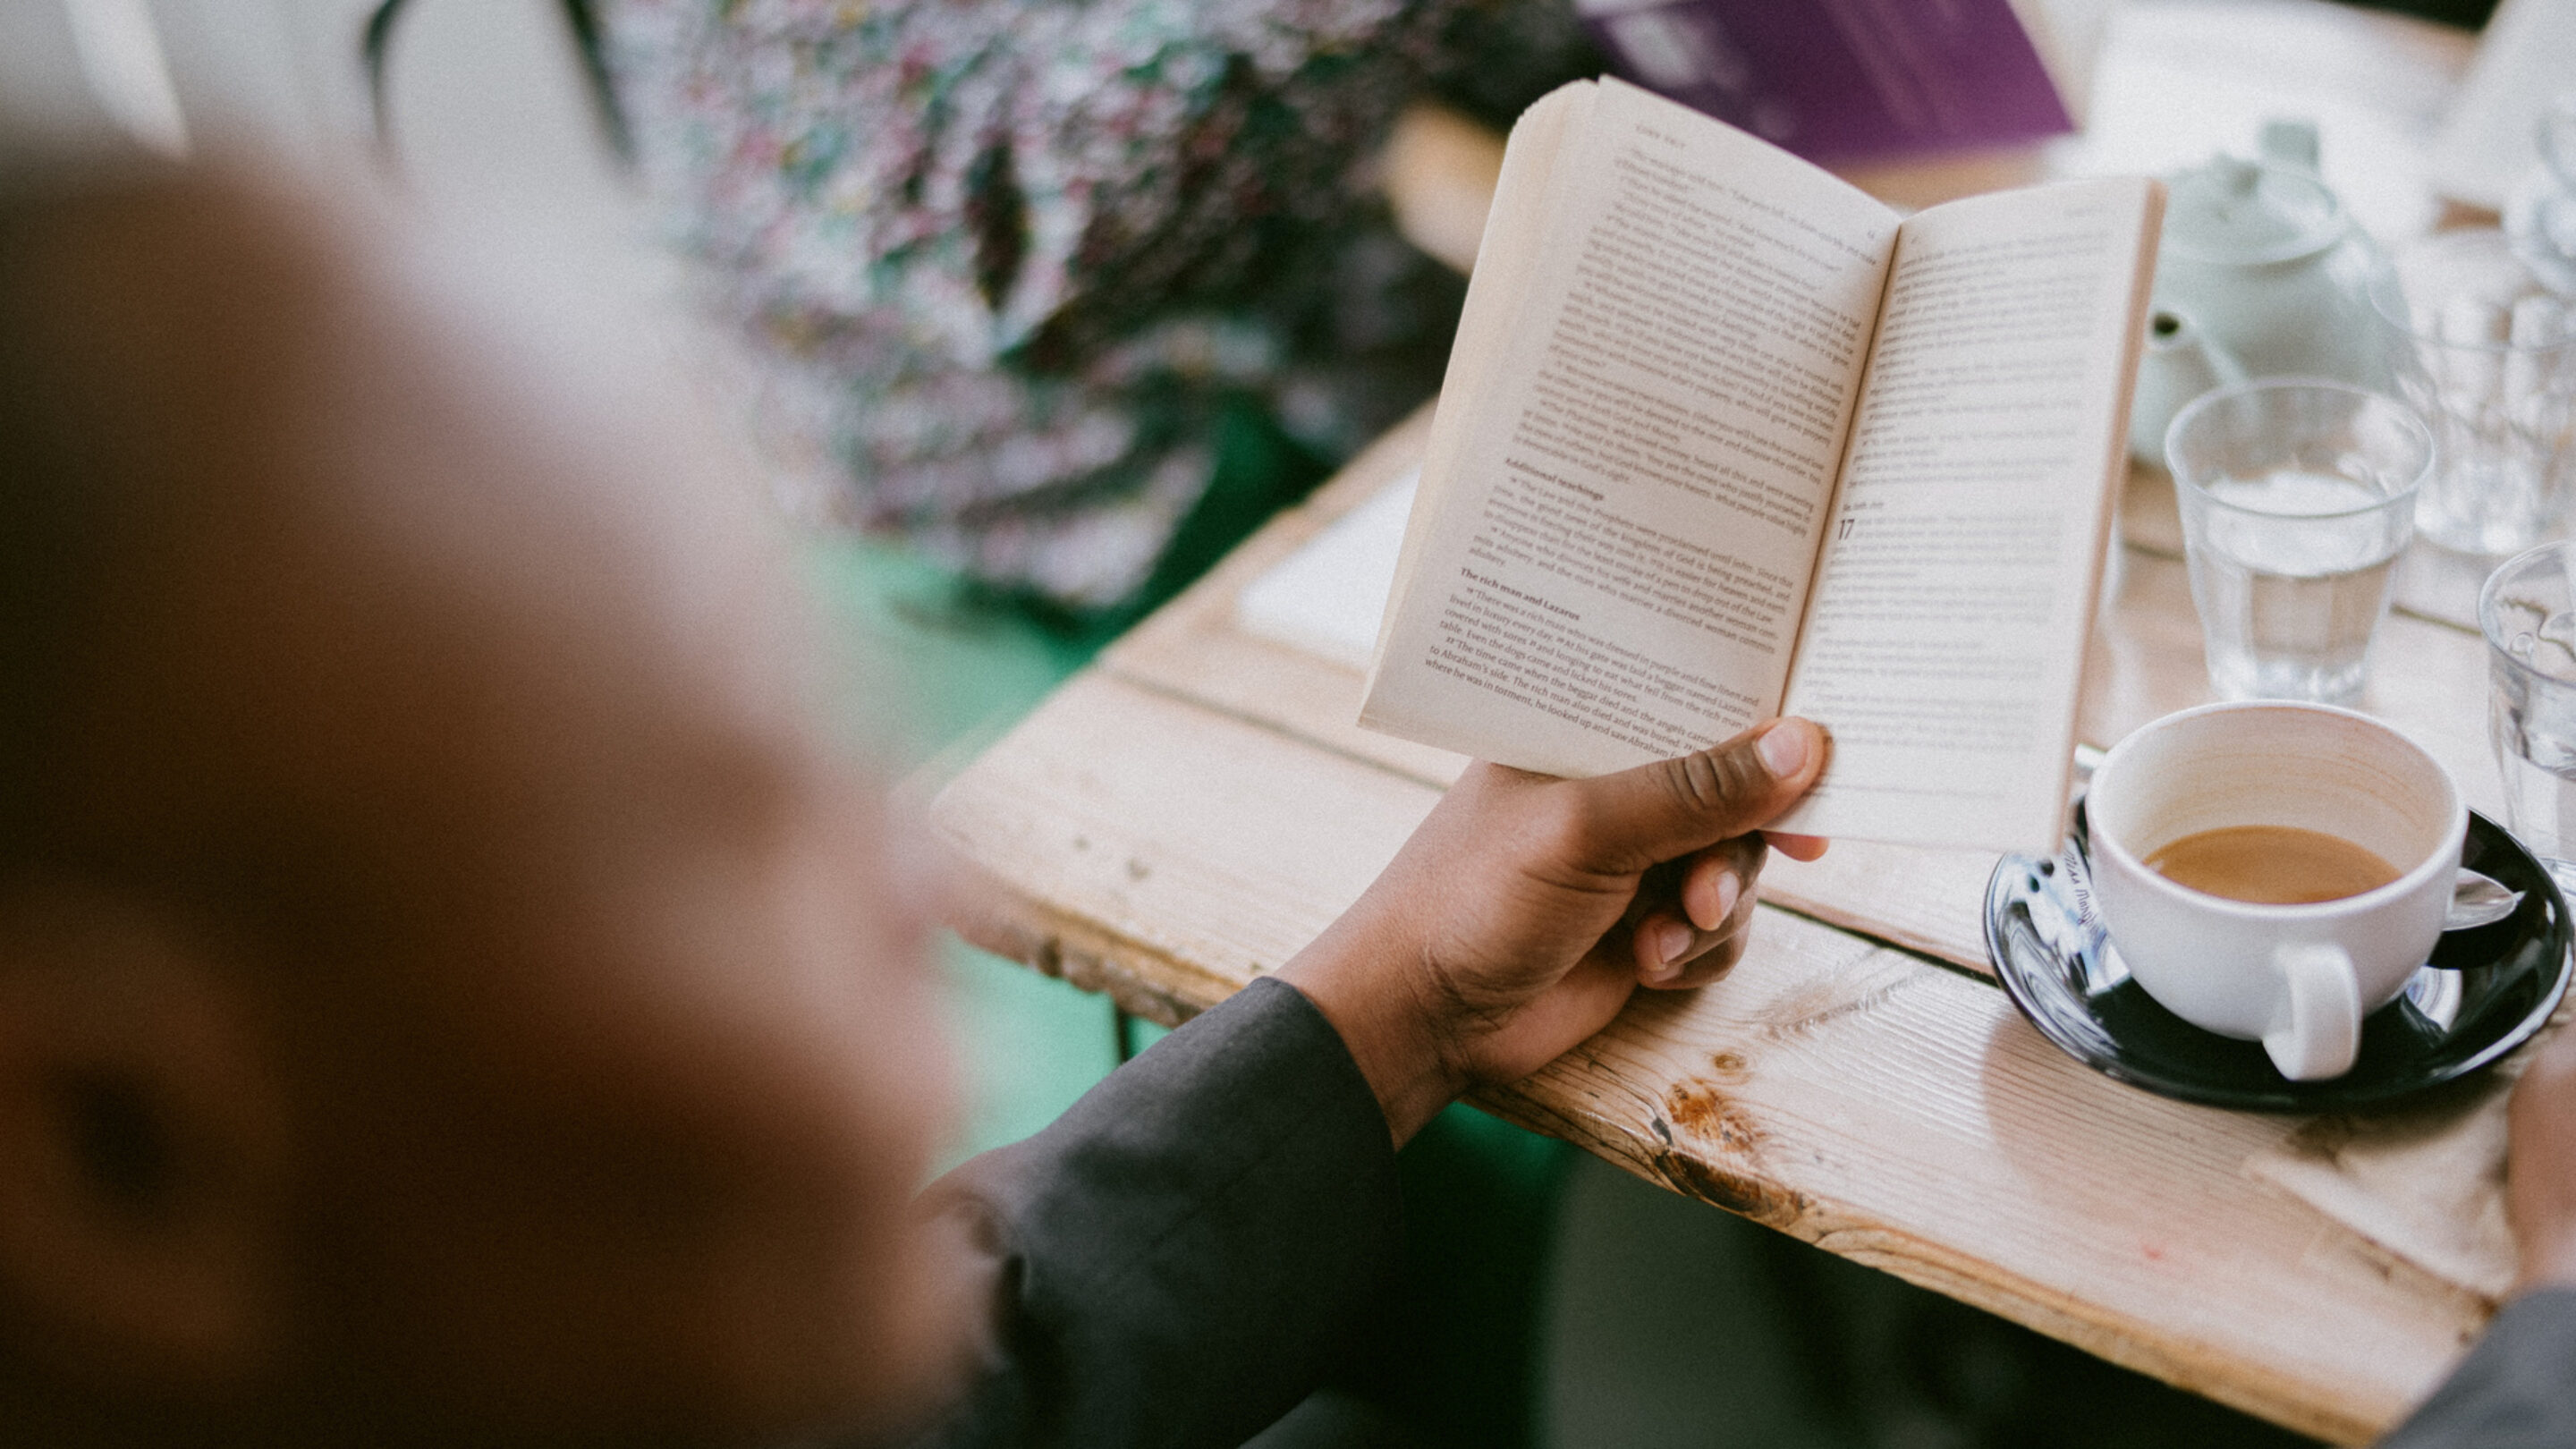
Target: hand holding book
{"x": 1524, "y": 912}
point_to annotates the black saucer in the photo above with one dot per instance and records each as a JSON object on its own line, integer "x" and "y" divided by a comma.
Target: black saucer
{"x": 2483, "y": 993}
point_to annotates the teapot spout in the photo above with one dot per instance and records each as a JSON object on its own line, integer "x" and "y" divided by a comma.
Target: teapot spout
{"x": 2180, "y": 363}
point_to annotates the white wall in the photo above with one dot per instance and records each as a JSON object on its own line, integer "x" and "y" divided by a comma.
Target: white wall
{"x": 487, "y": 97}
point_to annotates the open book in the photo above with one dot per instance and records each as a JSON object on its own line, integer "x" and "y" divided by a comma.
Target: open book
{"x": 1724, "y": 438}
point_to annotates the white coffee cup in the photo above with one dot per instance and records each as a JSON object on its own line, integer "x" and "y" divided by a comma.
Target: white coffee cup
{"x": 2297, "y": 978}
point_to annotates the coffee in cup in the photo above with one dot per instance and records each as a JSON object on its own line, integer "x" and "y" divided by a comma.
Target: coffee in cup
{"x": 2272, "y": 865}
{"x": 2274, "y": 872}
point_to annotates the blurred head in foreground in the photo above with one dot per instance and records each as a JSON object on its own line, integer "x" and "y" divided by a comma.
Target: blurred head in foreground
{"x": 449, "y": 990}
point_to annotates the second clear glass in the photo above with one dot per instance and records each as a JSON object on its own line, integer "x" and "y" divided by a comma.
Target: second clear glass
{"x": 2488, "y": 355}
{"x": 2297, "y": 496}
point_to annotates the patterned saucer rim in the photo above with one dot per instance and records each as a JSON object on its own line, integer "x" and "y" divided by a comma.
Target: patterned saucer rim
{"x": 2021, "y": 982}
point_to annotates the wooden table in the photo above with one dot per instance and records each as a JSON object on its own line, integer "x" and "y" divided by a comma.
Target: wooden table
{"x": 1189, "y": 811}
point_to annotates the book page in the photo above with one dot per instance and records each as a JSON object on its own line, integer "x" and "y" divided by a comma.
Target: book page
{"x": 1945, "y": 642}
{"x": 1619, "y": 517}
{"x": 1506, "y": 262}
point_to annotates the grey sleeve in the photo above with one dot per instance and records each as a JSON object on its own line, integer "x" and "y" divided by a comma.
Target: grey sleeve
{"x": 2515, "y": 1390}
{"x": 1174, "y": 1260}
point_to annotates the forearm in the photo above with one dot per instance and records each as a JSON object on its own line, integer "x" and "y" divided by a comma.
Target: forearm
{"x": 1177, "y": 1257}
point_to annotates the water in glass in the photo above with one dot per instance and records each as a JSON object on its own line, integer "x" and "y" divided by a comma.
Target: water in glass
{"x": 2291, "y": 582}
{"x": 2530, "y": 625}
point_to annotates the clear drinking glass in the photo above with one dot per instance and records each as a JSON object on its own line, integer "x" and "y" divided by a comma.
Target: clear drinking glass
{"x": 2489, "y": 359}
{"x": 2297, "y": 495}
{"x": 2528, "y": 613}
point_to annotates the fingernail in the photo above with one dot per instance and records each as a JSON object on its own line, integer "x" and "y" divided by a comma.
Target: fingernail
{"x": 1729, "y": 890}
{"x": 1672, "y": 939}
{"x": 1783, "y": 748}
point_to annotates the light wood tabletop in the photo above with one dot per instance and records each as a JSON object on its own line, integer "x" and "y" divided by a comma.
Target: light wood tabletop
{"x": 1193, "y": 808}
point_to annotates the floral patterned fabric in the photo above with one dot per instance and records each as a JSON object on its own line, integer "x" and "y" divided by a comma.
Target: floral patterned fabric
{"x": 1007, "y": 260}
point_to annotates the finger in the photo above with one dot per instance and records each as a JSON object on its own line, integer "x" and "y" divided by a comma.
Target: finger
{"x": 1718, "y": 877}
{"x": 1797, "y": 847}
{"x": 1635, "y": 818}
{"x": 1699, "y": 942}
{"x": 1707, "y": 956}
{"x": 1664, "y": 944}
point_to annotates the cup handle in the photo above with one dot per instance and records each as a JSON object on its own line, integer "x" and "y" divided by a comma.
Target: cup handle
{"x": 2322, "y": 1031}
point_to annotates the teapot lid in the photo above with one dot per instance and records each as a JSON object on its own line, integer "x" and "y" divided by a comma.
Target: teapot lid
{"x": 2243, "y": 212}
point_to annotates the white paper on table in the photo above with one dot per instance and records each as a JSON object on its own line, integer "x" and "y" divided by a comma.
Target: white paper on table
{"x": 1327, "y": 597}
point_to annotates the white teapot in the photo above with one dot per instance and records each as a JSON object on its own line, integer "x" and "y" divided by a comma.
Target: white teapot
{"x": 2266, "y": 273}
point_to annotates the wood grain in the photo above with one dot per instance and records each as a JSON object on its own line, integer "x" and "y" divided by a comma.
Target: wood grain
{"x": 1863, "y": 1098}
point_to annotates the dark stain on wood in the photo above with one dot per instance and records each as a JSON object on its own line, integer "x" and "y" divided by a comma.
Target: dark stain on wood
{"x": 1728, "y": 1171}
{"x": 1737, "y": 1192}
{"x": 1699, "y": 1109}
{"x": 1729, "y": 1067}
{"x": 1137, "y": 869}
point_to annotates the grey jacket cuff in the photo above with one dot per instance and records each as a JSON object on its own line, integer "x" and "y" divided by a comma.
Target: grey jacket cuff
{"x": 2515, "y": 1390}
{"x": 1176, "y": 1259}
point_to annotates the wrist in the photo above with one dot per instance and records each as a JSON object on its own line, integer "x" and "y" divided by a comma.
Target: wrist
{"x": 2549, "y": 1262}
{"x": 1390, "y": 1032}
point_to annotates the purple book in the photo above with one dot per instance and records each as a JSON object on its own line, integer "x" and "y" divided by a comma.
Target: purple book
{"x": 1841, "y": 80}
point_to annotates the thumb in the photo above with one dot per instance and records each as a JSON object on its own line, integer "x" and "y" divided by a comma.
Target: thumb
{"x": 1658, "y": 812}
